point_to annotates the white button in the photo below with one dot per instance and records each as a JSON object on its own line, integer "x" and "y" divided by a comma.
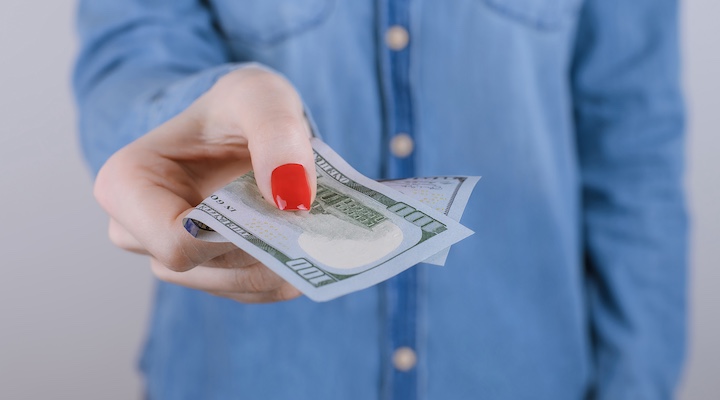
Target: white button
{"x": 397, "y": 37}
{"x": 404, "y": 359}
{"x": 402, "y": 145}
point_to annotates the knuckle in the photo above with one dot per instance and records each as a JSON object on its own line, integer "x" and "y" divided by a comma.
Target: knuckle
{"x": 264, "y": 80}
{"x": 174, "y": 259}
{"x": 250, "y": 79}
{"x": 231, "y": 259}
{"x": 118, "y": 238}
{"x": 254, "y": 282}
{"x": 251, "y": 279}
{"x": 222, "y": 120}
{"x": 256, "y": 75}
{"x": 106, "y": 182}
{"x": 100, "y": 190}
{"x": 282, "y": 125}
{"x": 237, "y": 258}
{"x": 284, "y": 293}
{"x": 239, "y": 280}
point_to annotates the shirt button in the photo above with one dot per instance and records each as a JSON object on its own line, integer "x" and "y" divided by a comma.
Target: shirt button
{"x": 404, "y": 359}
{"x": 402, "y": 145}
{"x": 397, "y": 37}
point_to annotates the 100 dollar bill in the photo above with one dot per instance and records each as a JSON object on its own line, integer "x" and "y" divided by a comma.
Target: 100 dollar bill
{"x": 446, "y": 194}
{"x": 357, "y": 233}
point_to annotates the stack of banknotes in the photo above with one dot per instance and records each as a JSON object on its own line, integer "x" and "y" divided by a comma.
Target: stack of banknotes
{"x": 358, "y": 233}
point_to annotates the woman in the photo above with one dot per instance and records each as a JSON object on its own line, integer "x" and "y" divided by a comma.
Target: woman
{"x": 573, "y": 285}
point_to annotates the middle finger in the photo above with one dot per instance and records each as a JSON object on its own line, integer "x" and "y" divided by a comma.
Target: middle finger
{"x": 251, "y": 278}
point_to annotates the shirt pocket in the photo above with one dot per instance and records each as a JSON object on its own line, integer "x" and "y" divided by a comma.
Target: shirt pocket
{"x": 539, "y": 14}
{"x": 269, "y": 22}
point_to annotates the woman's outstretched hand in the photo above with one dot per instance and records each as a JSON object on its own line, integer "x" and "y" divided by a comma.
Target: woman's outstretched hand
{"x": 250, "y": 119}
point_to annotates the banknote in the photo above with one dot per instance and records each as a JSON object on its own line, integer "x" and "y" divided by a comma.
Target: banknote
{"x": 357, "y": 233}
{"x": 446, "y": 194}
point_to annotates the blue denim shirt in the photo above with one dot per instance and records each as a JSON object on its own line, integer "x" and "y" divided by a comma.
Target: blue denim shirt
{"x": 573, "y": 285}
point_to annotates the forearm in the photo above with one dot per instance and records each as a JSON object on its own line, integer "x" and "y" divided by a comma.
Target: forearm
{"x": 630, "y": 119}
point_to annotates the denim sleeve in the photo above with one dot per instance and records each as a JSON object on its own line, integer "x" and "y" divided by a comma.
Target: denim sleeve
{"x": 629, "y": 115}
{"x": 141, "y": 62}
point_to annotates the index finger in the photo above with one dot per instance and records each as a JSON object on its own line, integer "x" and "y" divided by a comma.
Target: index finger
{"x": 148, "y": 195}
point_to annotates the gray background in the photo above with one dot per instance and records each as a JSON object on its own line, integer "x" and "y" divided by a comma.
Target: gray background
{"x": 73, "y": 308}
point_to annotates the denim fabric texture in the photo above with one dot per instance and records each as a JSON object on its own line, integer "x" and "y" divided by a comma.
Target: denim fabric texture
{"x": 574, "y": 284}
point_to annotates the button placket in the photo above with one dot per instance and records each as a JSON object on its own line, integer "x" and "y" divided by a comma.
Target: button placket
{"x": 400, "y": 294}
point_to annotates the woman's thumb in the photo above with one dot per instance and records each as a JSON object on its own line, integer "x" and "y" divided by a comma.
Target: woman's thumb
{"x": 268, "y": 112}
{"x": 283, "y": 162}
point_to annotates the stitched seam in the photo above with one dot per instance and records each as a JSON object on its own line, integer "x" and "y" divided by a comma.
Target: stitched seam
{"x": 252, "y": 37}
{"x": 543, "y": 21}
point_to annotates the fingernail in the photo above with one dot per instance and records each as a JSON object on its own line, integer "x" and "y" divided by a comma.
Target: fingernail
{"x": 290, "y": 188}
{"x": 191, "y": 227}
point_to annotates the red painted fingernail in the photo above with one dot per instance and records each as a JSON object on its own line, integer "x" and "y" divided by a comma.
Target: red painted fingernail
{"x": 290, "y": 188}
